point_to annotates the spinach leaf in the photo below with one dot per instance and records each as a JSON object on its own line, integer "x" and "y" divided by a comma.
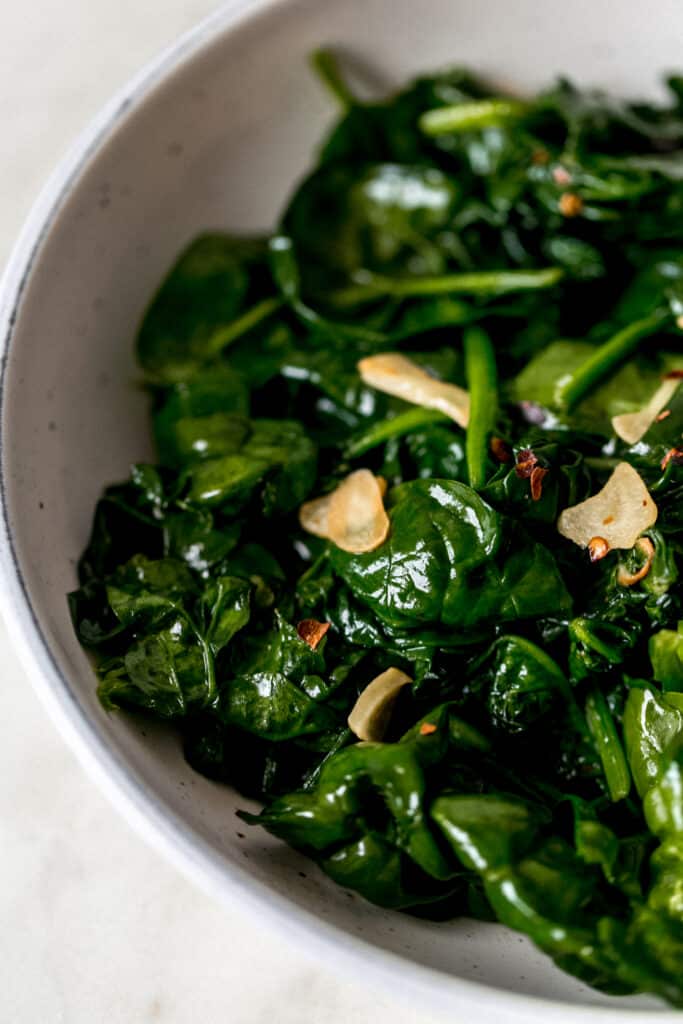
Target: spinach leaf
{"x": 666, "y": 654}
{"x": 278, "y": 686}
{"x": 195, "y": 313}
{"x": 176, "y": 633}
{"x": 384, "y": 217}
{"x": 451, "y": 559}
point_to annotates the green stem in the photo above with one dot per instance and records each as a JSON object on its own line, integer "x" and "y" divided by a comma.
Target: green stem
{"x": 207, "y": 658}
{"x": 608, "y": 745}
{"x": 325, "y": 66}
{"x": 313, "y": 567}
{"x": 663, "y": 480}
{"x": 210, "y": 671}
{"x": 572, "y": 388}
{"x": 480, "y": 373}
{"x": 342, "y": 739}
{"x": 467, "y": 117}
{"x": 399, "y": 425}
{"x": 601, "y": 463}
{"x": 483, "y": 282}
{"x": 231, "y": 332}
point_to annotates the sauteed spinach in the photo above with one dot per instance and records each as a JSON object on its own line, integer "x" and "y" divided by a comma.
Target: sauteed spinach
{"x": 474, "y": 301}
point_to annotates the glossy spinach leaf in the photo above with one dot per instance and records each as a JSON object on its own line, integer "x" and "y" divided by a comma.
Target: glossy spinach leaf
{"x": 192, "y": 317}
{"x": 451, "y": 559}
{"x": 176, "y": 632}
{"x": 666, "y": 654}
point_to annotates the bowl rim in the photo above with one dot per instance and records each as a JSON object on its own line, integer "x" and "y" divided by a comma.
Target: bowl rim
{"x": 157, "y": 824}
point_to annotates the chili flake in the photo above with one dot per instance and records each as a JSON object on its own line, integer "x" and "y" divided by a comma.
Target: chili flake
{"x": 570, "y": 204}
{"x": 526, "y": 461}
{"x": 626, "y": 578}
{"x": 500, "y": 450}
{"x": 674, "y": 455}
{"x": 536, "y": 482}
{"x": 427, "y": 728}
{"x": 597, "y": 548}
{"x": 312, "y": 632}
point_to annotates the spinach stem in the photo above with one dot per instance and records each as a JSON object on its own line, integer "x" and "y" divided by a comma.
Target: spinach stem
{"x": 483, "y": 282}
{"x": 467, "y": 117}
{"x": 601, "y": 463}
{"x": 313, "y": 567}
{"x": 399, "y": 425}
{"x": 608, "y": 745}
{"x": 325, "y": 65}
{"x": 231, "y": 332}
{"x": 663, "y": 480}
{"x": 572, "y": 388}
{"x": 344, "y": 737}
{"x": 207, "y": 655}
{"x": 480, "y": 373}
{"x": 209, "y": 669}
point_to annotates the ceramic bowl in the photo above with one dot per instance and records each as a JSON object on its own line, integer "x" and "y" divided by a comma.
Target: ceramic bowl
{"x": 213, "y": 135}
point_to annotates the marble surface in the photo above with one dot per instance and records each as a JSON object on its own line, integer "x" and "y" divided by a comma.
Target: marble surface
{"x": 94, "y": 927}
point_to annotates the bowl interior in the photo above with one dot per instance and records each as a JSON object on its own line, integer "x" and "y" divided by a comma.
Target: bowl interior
{"x": 217, "y": 142}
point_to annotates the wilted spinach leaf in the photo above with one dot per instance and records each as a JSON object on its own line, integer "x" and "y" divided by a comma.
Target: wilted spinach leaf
{"x": 531, "y": 768}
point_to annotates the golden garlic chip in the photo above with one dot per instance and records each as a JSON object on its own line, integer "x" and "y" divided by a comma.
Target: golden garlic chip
{"x": 399, "y": 376}
{"x": 631, "y": 426}
{"x": 352, "y": 516}
{"x": 313, "y": 516}
{"x": 370, "y": 714}
{"x": 618, "y": 513}
{"x": 357, "y": 521}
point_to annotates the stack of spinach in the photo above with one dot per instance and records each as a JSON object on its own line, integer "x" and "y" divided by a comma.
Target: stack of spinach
{"x": 529, "y": 251}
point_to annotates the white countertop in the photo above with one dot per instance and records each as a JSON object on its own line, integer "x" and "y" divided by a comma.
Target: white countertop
{"x": 94, "y": 927}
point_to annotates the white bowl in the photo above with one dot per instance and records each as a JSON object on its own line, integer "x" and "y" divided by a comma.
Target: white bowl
{"x": 213, "y": 135}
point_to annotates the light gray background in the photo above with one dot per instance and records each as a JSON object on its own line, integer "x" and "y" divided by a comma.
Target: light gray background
{"x": 94, "y": 927}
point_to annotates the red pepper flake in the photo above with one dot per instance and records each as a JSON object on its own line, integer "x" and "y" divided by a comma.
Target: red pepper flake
{"x": 536, "y": 482}
{"x": 674, "y": 455}
{"x": 561, "y": 175}
{"x": 647, "y": 549}
{"x": 663, "y": 415}
{"x": 526, "y": 462}
{"x": 675, "y": 374}
{"x": 608, "y": 520}
{"x": 427, "y": 728}
{"x": 597, "y": 548}
{"x": 570, "y": 204}
{"x": 312, "y": 632}
{"x": 501, "y": 450}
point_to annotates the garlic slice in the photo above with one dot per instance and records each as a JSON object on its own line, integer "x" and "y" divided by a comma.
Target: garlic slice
{"x": 618, "y": 513}
{"x": 314, "y": 515}
{"x": 356, "y": 520}
{"x": 631, "y": 426}
{"x": 370, "y": 714}
{"x": 399, "y": 376}
{"x": 352, "y": 516}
